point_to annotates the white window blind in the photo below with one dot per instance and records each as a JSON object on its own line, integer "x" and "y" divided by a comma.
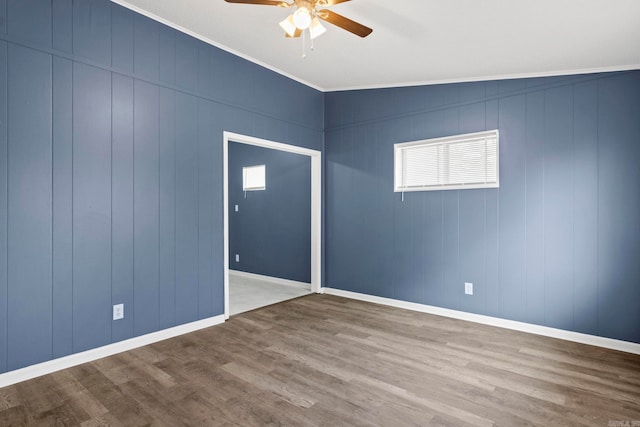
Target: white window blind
{"x": 455, "y": 162}
{"x": 253, "y": 178}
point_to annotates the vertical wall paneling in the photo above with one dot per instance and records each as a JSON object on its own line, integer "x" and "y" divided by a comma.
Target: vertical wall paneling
{"x": 217, "y": 249}
{"x": 29, "y": 206}
{"x": 381, "y": 271}
{"x": 263, "y": 126}
{"x": 535, "y": 244}
{"x": 186, "y": 62}
{"x": 331, "y": 226}
{"x": 619, "y": 206}
{"x": 418, "y": 246}
{"x": 359, "y": 184}
{"x": 146, "y": 205}
{"x": 451, "y": 215}
{"x": 205, "y": 208}
{"x": 434, "y": 236}
{"x": 30, "y": 20}
{"x": 167, "y": 55}
{"x": 471, "y": 249}
{"x": 62, "y": 25}
{"x": 122, "y": 232}
{"x": 4, "y": 310}
{"x": 492, "y": 250}
{"x": 558, "y": 207}
{"x": 492, "y": 204}
{"x": 204, "y": 70}
{"x": 555, "y": 245}
{"x": 186, "y": 208}
{"x": 221, "y": 65}
{"x": 451, "y": 249}
{"x": 585, "y": 240}
{"x": 110, "y": 181}
{"x": 367, "y": 190}
{"x": 167, "y": 279}
{"x": 348, "y": 143}
{"x": 472, "y": 213}
{"x": 345, "y": 175}
{"x": 405, "y": 283}
{"x": 146, "y": 49}
{"x": 122, "y": 38}
{"x": 62, "y": 321}
{"x": 336, "y": 192}
{"x": 91, "y": 207}
{"x": 92, "y": 30}
{"x": 363, "y": 197}
{"x": 3, "y": 16}
{"x": 435, "y": 294}
{"x": 512, "y": 255}
{"x": 238, "y": 121}
{"x": 242, "y": 82}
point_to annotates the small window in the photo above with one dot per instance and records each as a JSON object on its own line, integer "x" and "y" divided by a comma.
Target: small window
{"x": 253, "y": 178}
{"x": 455, "y": 162}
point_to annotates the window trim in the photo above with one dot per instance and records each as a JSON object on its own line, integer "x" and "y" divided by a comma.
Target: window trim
{"x": 397, "y": 150}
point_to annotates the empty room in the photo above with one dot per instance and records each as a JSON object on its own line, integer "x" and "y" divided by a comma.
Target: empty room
{"x": 319, "y": 213}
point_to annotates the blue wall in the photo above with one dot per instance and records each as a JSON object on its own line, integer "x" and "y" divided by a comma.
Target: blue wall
{"x": 271, "y": 230}
{"x": 111, "y": 171}
{"x": 557, "y": 244}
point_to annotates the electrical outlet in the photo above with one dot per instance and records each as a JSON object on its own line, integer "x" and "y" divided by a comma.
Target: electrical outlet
{"x": 237, "y": 257}
{"x": 468, "y": 288}
{"x": 236, "y": 208}
{"x": 118, "y": 311}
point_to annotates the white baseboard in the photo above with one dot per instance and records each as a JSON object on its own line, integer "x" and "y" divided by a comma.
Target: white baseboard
{"x": 277, "y": 280}
{"x": 65, "y": 362}
{"x": 609, "y": 343}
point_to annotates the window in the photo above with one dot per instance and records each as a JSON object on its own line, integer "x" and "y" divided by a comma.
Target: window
{"x": 253, "y": 178}
{"x": 454, "y": 162}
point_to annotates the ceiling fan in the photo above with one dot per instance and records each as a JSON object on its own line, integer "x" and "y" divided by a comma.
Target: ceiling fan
{"x": 307, "y": 16}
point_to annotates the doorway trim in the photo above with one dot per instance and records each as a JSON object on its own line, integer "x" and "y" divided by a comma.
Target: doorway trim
{"x": 316, "y": 204}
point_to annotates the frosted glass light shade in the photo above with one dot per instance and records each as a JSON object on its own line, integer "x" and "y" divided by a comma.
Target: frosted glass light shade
{"x": 302, "y": 18}
{"x": 316, "y": 28}
{"x": 288, "y": 26}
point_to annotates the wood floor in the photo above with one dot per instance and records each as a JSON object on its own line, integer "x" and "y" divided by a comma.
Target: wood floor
{"x": 324, "y": 360}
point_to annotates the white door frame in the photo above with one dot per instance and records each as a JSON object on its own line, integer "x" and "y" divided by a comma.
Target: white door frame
{"x": 316, "y": 204}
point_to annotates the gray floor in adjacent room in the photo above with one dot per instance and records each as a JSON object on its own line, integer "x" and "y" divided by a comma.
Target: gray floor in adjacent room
{"x": 248, "y": 293}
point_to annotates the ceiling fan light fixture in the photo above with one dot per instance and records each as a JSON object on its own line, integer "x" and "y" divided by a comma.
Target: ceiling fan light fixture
{"x": 288, "y": 26}
{"x": 316, "y": 29}
{"x": 302, "y": 18}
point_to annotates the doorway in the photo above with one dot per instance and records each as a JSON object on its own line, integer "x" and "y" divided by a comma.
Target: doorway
{"x": 315, "y": 232}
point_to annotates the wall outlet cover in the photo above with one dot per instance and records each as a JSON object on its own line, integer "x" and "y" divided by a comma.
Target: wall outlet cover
{"x": 468, "y": 288}
{"x": 118, "y": 311}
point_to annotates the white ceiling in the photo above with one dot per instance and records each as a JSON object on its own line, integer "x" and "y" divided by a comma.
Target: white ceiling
{"x": 421, "y": 41}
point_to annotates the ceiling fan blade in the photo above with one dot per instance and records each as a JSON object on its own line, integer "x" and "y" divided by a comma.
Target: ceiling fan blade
{"x": 344, "y": 23}
{"x": 296, "y": 34}
{"x": 330, "y": 2}
{"x": 261, "y": 2}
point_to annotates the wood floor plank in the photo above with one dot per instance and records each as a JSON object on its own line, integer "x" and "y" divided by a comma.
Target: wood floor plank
{"x": 322, "y": 360}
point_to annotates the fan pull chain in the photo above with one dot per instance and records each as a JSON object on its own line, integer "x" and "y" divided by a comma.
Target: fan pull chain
{"x": 304, "y": 38}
